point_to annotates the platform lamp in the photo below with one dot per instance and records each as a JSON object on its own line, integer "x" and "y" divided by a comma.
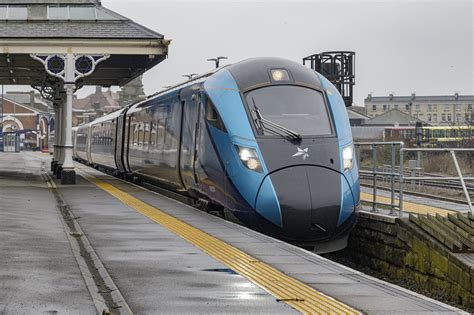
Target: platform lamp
{"x": 217, "y": 60}
{"x": 189, "y": 76}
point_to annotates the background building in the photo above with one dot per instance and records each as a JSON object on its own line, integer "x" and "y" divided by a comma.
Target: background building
{"x": 105, "y": 101}
{"x": 356, "y": 117}
{"x": 435, "y": 110}
{"x": 97, "y": 104}
{"x": 30, "y": 123}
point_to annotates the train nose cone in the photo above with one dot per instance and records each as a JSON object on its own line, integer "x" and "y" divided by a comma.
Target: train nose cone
{"x": 309, "y": 198}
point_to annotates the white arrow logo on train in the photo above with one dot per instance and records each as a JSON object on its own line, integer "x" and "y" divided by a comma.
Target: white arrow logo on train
{"x": 302, "y": 152}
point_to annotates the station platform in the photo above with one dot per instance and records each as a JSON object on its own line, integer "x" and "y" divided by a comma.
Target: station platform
{"x": 415, "y": 204}
{"x": 106, "y": 244}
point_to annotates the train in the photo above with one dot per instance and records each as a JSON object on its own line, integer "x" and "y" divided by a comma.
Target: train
{"x": 433, "y": 136}
{"x": 265, "y": 141}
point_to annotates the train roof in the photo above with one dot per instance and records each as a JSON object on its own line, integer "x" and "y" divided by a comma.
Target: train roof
{"x": 249, "y": 74}
{"x": 254, "y": 72}
{"x": 107, "y": 117}
{"x": 183, "y": 84}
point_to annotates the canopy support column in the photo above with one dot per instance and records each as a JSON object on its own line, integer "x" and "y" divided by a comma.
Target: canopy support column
{"x": 68, "y": 175}
{"x": 55, "y": 159}
{"x": 69, "y": 68}
{"x": 59, "y": 143}
{"x": 61, "y": 136}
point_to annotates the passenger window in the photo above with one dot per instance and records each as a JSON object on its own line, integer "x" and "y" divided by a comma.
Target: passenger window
{"x": 135, "y": 135}
{"x": 146, "y": 130}
{"x": 166, "y": 132}
{"x": 140, "y": 134}
{"x": 212, "y": 116}
{"x": 152, "y": 133}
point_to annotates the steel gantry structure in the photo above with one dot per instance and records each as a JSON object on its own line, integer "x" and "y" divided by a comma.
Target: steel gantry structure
{"x": 58, "y": 46}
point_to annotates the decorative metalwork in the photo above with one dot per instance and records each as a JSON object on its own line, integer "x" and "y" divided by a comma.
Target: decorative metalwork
{"x": 69, "y": 67}
{"x": 48, "y": 86}
{"x": 84, "y": 64}
{"x": 55, "y": 64}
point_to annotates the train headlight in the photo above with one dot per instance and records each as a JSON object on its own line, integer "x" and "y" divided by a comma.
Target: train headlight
{"x": 348, "y": 157}
{"x": 280, "y": 75}
{"x": 249, "y": 158}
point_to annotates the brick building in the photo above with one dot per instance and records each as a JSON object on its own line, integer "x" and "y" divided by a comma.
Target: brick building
{"x": 104, "y": 101}
{"x": 32, "y": 124}
{"x": 95, "y": 105}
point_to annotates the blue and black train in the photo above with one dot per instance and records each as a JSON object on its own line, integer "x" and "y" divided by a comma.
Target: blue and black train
{"x": 266, "y": 140}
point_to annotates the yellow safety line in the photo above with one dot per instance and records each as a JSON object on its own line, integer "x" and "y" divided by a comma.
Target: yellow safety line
{"x": 408, "y": 206}
{"x": 284, "y": 288}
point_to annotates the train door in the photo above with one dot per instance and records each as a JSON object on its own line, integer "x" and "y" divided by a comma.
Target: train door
{"x": 74, "y": 143}
{"x": 120, "y": 142}
{"x": 126, "y": 142}
{"x": 89, "y": 143}
{"x": 190, "y": 130}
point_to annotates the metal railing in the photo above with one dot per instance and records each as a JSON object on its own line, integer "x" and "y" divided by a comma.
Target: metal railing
{"x": 374, "y": 172}
{"x": 394, "y": 172}
{"x": 460, "y": 177}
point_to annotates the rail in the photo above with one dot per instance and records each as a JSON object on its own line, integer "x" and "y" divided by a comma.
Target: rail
{"x": 374, "y": 173}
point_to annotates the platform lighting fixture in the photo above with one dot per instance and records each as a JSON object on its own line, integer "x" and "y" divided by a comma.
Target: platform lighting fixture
{"x": 189, "y": 76}
{"x": 217, "y": 60}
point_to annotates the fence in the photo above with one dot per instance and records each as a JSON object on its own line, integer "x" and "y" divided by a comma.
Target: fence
{"x": 397, "y": 172}
{"x": 392, "y": 174}
{"x": 460, "y": 176}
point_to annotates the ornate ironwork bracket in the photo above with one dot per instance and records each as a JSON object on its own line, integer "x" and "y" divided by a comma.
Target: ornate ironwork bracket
{"x": 69, "y": 67}
{"x": 49, "y": 87}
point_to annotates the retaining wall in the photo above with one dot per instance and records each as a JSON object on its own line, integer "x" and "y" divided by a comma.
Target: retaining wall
{"x": 401, "y": 251}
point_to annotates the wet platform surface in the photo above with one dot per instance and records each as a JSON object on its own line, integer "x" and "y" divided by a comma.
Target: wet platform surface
{"x": 155, "y": 270}
{"x": 38, "y": 272}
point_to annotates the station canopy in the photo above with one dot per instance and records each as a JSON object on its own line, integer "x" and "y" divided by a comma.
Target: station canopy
{"x": 79, "y": 27}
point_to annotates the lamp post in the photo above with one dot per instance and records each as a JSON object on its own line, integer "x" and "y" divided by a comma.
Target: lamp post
{"x": 189, "y": 76}
{"x": 217, "y": 60}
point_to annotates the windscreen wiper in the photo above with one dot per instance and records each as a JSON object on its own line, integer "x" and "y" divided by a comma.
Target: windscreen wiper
{"x": 264, "y": 123}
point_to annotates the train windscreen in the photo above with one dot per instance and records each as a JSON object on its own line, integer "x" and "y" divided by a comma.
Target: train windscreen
{"x": 299, "y": 109}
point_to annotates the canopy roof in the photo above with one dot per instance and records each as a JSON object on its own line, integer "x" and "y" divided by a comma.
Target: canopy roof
{"x": 79, "y": 27}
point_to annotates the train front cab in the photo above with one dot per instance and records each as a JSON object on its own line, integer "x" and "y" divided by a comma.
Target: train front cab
{"x": 302, "y": 191}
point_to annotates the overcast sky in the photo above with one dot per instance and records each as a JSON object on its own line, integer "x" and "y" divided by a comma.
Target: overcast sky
{"x": 401, "y": 46}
